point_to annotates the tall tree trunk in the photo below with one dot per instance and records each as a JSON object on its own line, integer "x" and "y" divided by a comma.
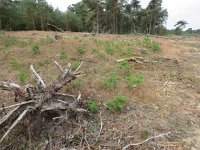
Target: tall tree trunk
{"x": 42, "y": 25}
{"x": 10, "y": 25}
{"x": 150, "y": 25}
{"x": 113, "y": 21}
{"x": 97, "y": 32}
{"x": 116, "y": 26}
{"x": 0, "y": 25}
{"x": 33, "y": 22}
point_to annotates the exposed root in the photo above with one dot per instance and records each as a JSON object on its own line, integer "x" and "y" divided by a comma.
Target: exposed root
{"x": 41, "y": 97}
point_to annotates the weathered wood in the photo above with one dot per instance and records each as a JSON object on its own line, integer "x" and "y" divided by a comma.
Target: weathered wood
{"x": 55, "y": 27}
{"x": 41, "y": 97}
{"x": 138, "y": 60}
{"x": 37, "y": 77}
{"x": 15, "y": 123}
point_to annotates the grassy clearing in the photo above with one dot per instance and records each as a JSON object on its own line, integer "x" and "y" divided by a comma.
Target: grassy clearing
{"x": 140, "y": 99}
{"x": 111, "y": 82}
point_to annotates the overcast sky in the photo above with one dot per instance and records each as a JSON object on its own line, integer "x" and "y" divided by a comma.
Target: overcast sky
{"x": 188, "y": 10}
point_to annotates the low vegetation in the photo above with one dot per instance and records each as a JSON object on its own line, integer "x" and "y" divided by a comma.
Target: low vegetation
{"x": 111, "y": 81}
{"x": 140, "y": 79}
{"x": 36, "y": 49}
{"x": 116, "y": 104}
{"x": 92, "y": 106}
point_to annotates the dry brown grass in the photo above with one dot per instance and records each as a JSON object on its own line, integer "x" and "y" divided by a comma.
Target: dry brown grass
{"x": 146, "y": 101}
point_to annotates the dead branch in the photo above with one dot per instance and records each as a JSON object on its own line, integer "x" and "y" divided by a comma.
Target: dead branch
{"x": 155, "y": 137}
{"x": 44, "y": 98}
{"x": 78, "y": 68}
{"x": 59, "y": 66}
{"x": 40, "y": 82}
{"x": 18, "y": 104}
{"x": 8, "y": 115}
{"x": 9, "y": 86}
{"x": 131, "y": 59}
{"x": 15, "y": 123}
{"x": 55, "y": 27}
{"x": 100, "y": 127}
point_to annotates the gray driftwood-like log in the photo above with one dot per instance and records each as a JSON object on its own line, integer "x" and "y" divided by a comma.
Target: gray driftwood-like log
{"x": 40, "y": 97}
{"x": 61, "y": 30}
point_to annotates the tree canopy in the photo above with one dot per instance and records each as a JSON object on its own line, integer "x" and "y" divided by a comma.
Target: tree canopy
{"x": 99, "y": 16}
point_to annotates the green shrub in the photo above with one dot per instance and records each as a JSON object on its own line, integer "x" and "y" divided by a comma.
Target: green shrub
{"x": 155, "y": 46}
{"x": 134, "y": 80}
{"x": 111, "y": 81}
{"x": 125, "y": 66}
{"x": 92, "y": 107}
{"x": 130, "y": 51}
{"x": 147, "y": 42}
{"x": 151, "y": 45}
{"x": 63, "y": 54}
{"x": 116, "y": 104}
{"x": 80, "y": 49}
{"x": 36, "y": 49}
{"x": 46, "y": 40}
{"x": 95, "y": 50}
{"x": 22, "y": 76}
{"x": 109, "y": 50}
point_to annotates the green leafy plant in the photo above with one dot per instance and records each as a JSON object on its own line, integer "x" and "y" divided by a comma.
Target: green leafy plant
{"x": 22, "y": 76}
{"x": 125, "y": 66}
{"x": 155, "y": 46}
{"x": 129, "y": 51}
{"x": 36, "y": 49}
{"x": 95, "y": 50}
{"x": 134, "y": 80}
{"x": 46, "y": 40}
{"x": 116, "y": 104}
{"x": 80, "y": 49}
{"x": 109, "y": 50}
{"x": 111, "y": 81}
{"x": 92, "y": 107}
{"x": 147, "y": 42}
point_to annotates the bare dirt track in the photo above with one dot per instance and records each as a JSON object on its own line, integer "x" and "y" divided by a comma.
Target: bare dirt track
{"x": 167, "y": 101}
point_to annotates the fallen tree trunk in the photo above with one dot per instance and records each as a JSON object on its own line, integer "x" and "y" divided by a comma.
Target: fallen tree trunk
{"x": 40, "y": 97}
{"x": 61, "y": 30}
